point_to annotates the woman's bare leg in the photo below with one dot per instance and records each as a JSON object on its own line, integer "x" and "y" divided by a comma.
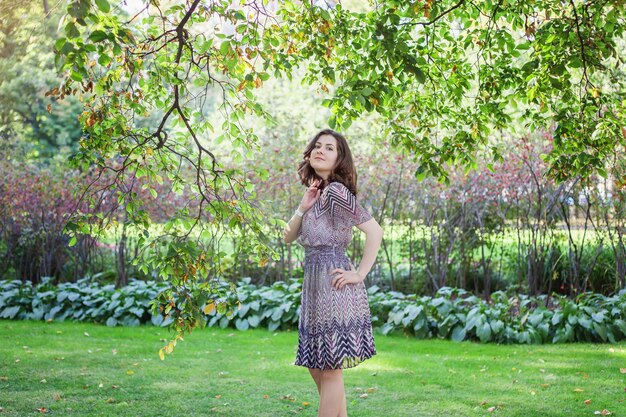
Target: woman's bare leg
{"x": 343, "y": 412}
{"x": 332, "y": 393}
{"x": 317, "y": 376}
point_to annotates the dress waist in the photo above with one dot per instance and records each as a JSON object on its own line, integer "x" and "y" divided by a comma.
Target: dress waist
{"x": 324, "y": 250}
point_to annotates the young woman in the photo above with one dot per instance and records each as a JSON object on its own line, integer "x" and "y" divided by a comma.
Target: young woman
{"x": 335, "y": 328}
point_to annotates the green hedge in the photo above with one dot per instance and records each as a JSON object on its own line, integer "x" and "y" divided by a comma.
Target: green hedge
{"x": 452, "y": 314}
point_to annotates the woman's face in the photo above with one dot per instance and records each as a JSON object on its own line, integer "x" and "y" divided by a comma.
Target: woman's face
{"x": 324, "y": 155}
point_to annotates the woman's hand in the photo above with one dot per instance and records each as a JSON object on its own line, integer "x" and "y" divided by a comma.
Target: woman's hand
{"x": 310, "y": 195}
{"x": 343, "y": 277}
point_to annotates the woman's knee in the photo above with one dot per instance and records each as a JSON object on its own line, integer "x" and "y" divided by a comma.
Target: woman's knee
{"x": 331, "y": 374}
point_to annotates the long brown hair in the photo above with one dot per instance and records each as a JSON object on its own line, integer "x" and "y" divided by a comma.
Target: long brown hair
{"x": 344, "y": 171}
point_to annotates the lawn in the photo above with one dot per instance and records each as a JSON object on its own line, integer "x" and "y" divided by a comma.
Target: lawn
{"x": 79, "y": 369}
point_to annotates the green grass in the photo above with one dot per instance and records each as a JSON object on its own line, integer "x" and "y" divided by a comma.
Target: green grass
{"x": 79, "y": 369}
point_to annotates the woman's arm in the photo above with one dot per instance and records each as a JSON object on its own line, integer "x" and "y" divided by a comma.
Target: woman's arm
{"x": 290, "y": 233}
{"x": 373, "y": 238}
{"x": 293, "y": 226}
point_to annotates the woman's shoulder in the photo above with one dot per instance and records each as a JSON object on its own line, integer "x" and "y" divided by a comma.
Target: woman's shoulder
{"x": 338, "y": 189}
{"x": 337, "y": 186}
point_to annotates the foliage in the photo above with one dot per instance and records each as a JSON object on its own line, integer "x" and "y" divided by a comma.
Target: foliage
{"x": 446, "y": 77}
{"x": 34, "y": 207}
{"x": 33, "y": 126}
{"x": 451, "y": 314}
{"x": 84, "y": 300}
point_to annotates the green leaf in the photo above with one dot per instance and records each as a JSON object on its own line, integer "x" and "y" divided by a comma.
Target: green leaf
{"x": 71, "y": 30}
{"x": 458, "y": 334}
{"x": 103, "y": 5}
{"x": 483, "y": 332}
{"x": 242, "y": 324}
{"x": 98, "y": 36}
{"x": 104, "y": 60}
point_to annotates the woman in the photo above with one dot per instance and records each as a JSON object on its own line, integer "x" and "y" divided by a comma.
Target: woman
{"x": 335, "y": 329}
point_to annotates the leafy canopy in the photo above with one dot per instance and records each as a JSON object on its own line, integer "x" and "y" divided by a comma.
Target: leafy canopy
{"x": 448, "y": 77}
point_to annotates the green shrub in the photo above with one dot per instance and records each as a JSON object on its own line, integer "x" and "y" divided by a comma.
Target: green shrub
{"x": 451, "y": 314}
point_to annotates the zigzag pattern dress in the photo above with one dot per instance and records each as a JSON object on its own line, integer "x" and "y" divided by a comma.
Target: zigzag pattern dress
{"x": 335, "y": 327}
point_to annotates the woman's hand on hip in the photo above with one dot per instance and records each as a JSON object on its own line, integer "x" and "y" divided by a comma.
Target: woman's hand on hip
{"x": 311, "y": 195}
{"x": 343, "y": 277}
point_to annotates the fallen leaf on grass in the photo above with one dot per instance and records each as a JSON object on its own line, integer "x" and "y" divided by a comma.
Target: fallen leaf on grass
{"x": 288, "y": 398}
{"x": 42, "y": 410}
{"x": 86, "y": 334}
{"x": 370, "y": 390}
{"x": 306, "y": 403}
{"x": 1, "y": 409}
{"x": 491, "y": 409}
{"x": 622, "y": 370}
{"x": 101, "y": 385}
{"x": 43, "y": 381}
{"x": 265, "y": 396}
{"x": 130, "y": 372}
{"x": 483, "y": 403}
{"x": 57, "y": 396}
{"x": 363, "y": 396}
{"x": 578, "y": 390}
{"x": 109, "y": 400}
{"x": 587, "y": 402}
{"x": 114, "y": 386}
{"x": 604, "y": 412}
{"x": 218, "y": 396}
{"x": 4, "y": 378}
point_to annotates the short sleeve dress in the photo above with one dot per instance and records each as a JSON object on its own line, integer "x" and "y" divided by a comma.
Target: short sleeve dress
{"x": 335, "y": 327}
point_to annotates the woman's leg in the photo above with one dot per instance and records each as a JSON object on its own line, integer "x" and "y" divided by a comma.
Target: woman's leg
{"x": 343, "y": 412}
{"x": 317, "y": 375}
{"x": 332, "y": 393}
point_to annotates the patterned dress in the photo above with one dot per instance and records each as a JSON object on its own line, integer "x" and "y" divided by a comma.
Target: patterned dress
{"x": 335, "y": 327}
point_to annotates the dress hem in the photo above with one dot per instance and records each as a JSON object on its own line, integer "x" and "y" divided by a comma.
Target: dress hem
{"x": 353, "y": 365}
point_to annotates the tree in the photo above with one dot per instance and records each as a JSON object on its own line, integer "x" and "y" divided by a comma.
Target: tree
{"x": 447, "y": 77}
{"x": 30, "y": 127}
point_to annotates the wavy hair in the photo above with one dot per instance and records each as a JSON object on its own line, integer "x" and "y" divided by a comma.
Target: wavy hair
{"x": 344, "y": 171}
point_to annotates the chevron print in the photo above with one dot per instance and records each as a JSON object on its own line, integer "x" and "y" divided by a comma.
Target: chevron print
{"x": 335, "y": 198}
{"x": 335, "y": 328}
{"x": 331, "y": 220}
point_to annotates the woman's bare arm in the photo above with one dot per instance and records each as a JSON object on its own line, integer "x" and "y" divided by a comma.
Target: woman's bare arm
{"x": 293, "y": 226}
{"x": 290, "y": 233}
{"x": 373, "y": 238}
